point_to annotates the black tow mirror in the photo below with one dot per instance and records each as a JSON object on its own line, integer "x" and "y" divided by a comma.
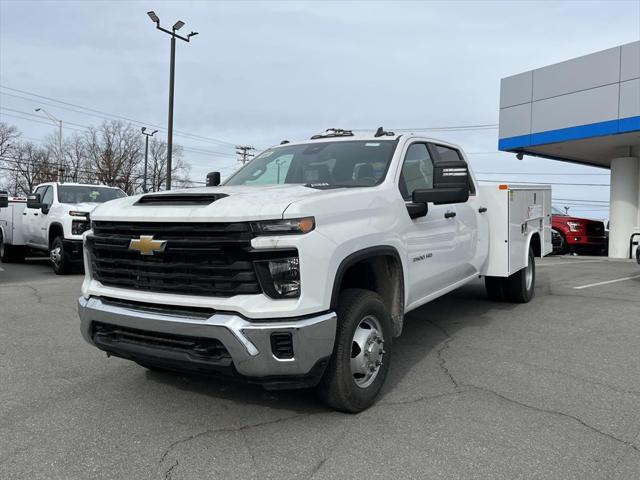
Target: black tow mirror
{"x": 213, "y": 179}
{"x": 33, "y": 200}
{"x": 4, "y": 199}
{"x": 450, "y": 184}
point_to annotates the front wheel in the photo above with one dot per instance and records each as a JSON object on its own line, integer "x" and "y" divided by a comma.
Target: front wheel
{"x": 59, "y": 258}
{"x": 361, "y": 354}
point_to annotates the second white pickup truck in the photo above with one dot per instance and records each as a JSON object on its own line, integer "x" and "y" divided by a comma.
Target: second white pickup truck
{"x": 298, "y": 271}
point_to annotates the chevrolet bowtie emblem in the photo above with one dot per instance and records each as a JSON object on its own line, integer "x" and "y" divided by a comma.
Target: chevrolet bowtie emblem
{"x": 146, "y": 245}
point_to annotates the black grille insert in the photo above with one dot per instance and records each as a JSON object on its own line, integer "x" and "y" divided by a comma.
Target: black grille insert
{"x": 282, "y": 344}
{"x": 114, "y": 336}
{"x": 595, "y": 229}
{"x": 213, "y": 259}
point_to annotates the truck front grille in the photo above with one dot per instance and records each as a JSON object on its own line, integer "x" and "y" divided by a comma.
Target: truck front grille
{"x": 213, "y": 259}
{"x": 595, "y": 229}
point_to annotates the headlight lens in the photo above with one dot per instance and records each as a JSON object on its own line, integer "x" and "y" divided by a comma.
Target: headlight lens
{"x": 78, "y": 227}
{"x": 575, "y": 226}
{"x": 280, "y": 227}
{"x": 280, "y": 278}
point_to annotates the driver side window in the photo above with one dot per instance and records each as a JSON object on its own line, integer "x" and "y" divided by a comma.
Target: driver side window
{"x": 417, "y": 170}
{"x": 47, "y": 198}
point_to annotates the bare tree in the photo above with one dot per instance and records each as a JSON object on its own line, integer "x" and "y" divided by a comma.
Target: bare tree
{"x": 9, "y": 136}
{"x": 158, "y": 166}
{"x": 30, "y": 165}
{"x": 114, "y": 153}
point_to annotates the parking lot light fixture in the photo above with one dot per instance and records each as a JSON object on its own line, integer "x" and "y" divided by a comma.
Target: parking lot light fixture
{"x": 176, "y": 26}
{"x": 57, "y": 122}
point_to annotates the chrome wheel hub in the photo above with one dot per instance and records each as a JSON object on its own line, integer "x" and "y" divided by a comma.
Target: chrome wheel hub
{"x": 367, "y": 351}
{"x": 55, "y": 255}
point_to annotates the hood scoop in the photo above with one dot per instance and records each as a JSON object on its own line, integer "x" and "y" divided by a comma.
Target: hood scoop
{"x": 177, "y": 199}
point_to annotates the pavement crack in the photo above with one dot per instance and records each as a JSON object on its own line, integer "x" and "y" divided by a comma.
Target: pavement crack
{"x": 36, "y": 293}
{"x": 557, "y": 413}
{"x": 211, "y": 431}
{"x": 424, "y": 398}
{"x": 169, "y": 473}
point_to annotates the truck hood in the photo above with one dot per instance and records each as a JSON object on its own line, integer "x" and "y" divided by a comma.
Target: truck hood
{"x": 241, "y": 203}
{"x": 81, "y": 207}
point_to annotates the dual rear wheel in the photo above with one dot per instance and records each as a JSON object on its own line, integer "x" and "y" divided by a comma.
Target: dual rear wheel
{"x": 517, "y": 288}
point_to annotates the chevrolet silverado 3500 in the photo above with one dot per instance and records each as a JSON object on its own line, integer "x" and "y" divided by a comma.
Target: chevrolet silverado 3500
{"x": 299, "y": 269}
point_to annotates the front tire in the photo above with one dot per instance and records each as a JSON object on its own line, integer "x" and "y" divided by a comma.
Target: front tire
{"x": 59, "y": 258}
{"x": 520, "y": 287}
{"x": 361, "y": 354}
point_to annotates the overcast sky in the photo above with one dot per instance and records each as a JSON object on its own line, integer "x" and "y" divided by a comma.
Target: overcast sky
{"x": 259, "y": 72}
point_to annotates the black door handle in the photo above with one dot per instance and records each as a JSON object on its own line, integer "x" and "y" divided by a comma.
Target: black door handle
{"x": 482, "y": 209}
{"x": 24, "y": 213}
{"x": 449, "y": 214}
{"x": 36, "y": 214}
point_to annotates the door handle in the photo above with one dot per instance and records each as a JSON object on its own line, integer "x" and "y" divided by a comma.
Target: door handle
{"x": 482, "y": 209}
{"x": 36, "y": 214}
{"x": 449, "y": 214}
{"x": 24, "y": 213}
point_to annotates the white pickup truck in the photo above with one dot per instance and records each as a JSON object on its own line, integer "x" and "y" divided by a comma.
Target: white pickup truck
{"x": 298, "y": 271}
{"x": 52, "y": 221}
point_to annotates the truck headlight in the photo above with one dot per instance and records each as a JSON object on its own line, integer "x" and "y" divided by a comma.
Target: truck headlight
{"x": 78, "y": 227}
{"x": 575, "y": 226}
{"x": 280, "y": 227}
{"x": 280, "y": 278}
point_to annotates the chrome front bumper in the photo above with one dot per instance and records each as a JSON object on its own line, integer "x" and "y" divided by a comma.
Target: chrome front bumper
{"x": 248, "y": 343}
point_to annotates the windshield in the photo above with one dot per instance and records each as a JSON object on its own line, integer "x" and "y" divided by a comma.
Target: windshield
{"x": 322, "y": 164}
{"x": 557, "y": 211}
{"x": 87, "y": 194}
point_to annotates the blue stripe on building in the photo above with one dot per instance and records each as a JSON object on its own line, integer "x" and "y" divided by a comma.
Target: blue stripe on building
{"x": 600, "y": 129}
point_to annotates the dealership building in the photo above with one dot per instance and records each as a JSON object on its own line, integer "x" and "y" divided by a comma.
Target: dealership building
{"x": 586, "y": 111}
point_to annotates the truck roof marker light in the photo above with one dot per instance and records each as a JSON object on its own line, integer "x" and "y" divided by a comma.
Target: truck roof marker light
{"x": 503, "y": 187}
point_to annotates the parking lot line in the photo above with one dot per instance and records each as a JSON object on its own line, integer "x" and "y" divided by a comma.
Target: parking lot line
{"x": 606, "y": 282}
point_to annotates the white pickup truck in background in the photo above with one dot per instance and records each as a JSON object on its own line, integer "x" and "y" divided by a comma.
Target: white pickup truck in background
{"x": 52, "y": 221}
{"x": 298, "y": 271}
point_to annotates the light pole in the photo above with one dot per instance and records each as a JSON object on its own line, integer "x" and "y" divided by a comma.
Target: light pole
{"x": 59, "y": 123}
{"x": 177, "y": 26}
{"x": 146, "y": 155}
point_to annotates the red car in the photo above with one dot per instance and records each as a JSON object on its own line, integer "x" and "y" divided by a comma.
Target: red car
{"x": 576, "y": 235}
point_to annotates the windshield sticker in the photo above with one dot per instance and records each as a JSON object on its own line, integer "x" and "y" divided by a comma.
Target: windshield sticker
{"x": 94, "y": 194}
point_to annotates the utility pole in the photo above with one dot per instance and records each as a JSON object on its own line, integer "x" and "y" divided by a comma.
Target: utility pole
{"x": 57, "y": 122}
{"x": 243, "y": 151}
{"x": 177, "y": 26}
{"x": 146, "y": 155}
{"x": 566, "y": 210}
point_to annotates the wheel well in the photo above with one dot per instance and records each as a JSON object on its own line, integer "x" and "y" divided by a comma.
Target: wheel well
{"x": 55, "y": 230}
{"x": 380, "y": 273}
{"x": 536, "y": 245}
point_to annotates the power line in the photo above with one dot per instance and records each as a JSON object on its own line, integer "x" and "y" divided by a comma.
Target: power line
{"x": 121, "y": 117}
{"x": 244, "y": 152}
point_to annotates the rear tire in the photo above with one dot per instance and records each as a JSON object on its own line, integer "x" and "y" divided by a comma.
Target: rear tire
{"x": 59, "y": 258}
{"x": 361, "y": 354}
{"x": 11, "y": 253}
{"x": 520, "y": 287}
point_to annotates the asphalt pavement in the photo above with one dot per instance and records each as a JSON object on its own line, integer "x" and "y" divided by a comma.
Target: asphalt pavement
{"x": 477, "y": 389}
